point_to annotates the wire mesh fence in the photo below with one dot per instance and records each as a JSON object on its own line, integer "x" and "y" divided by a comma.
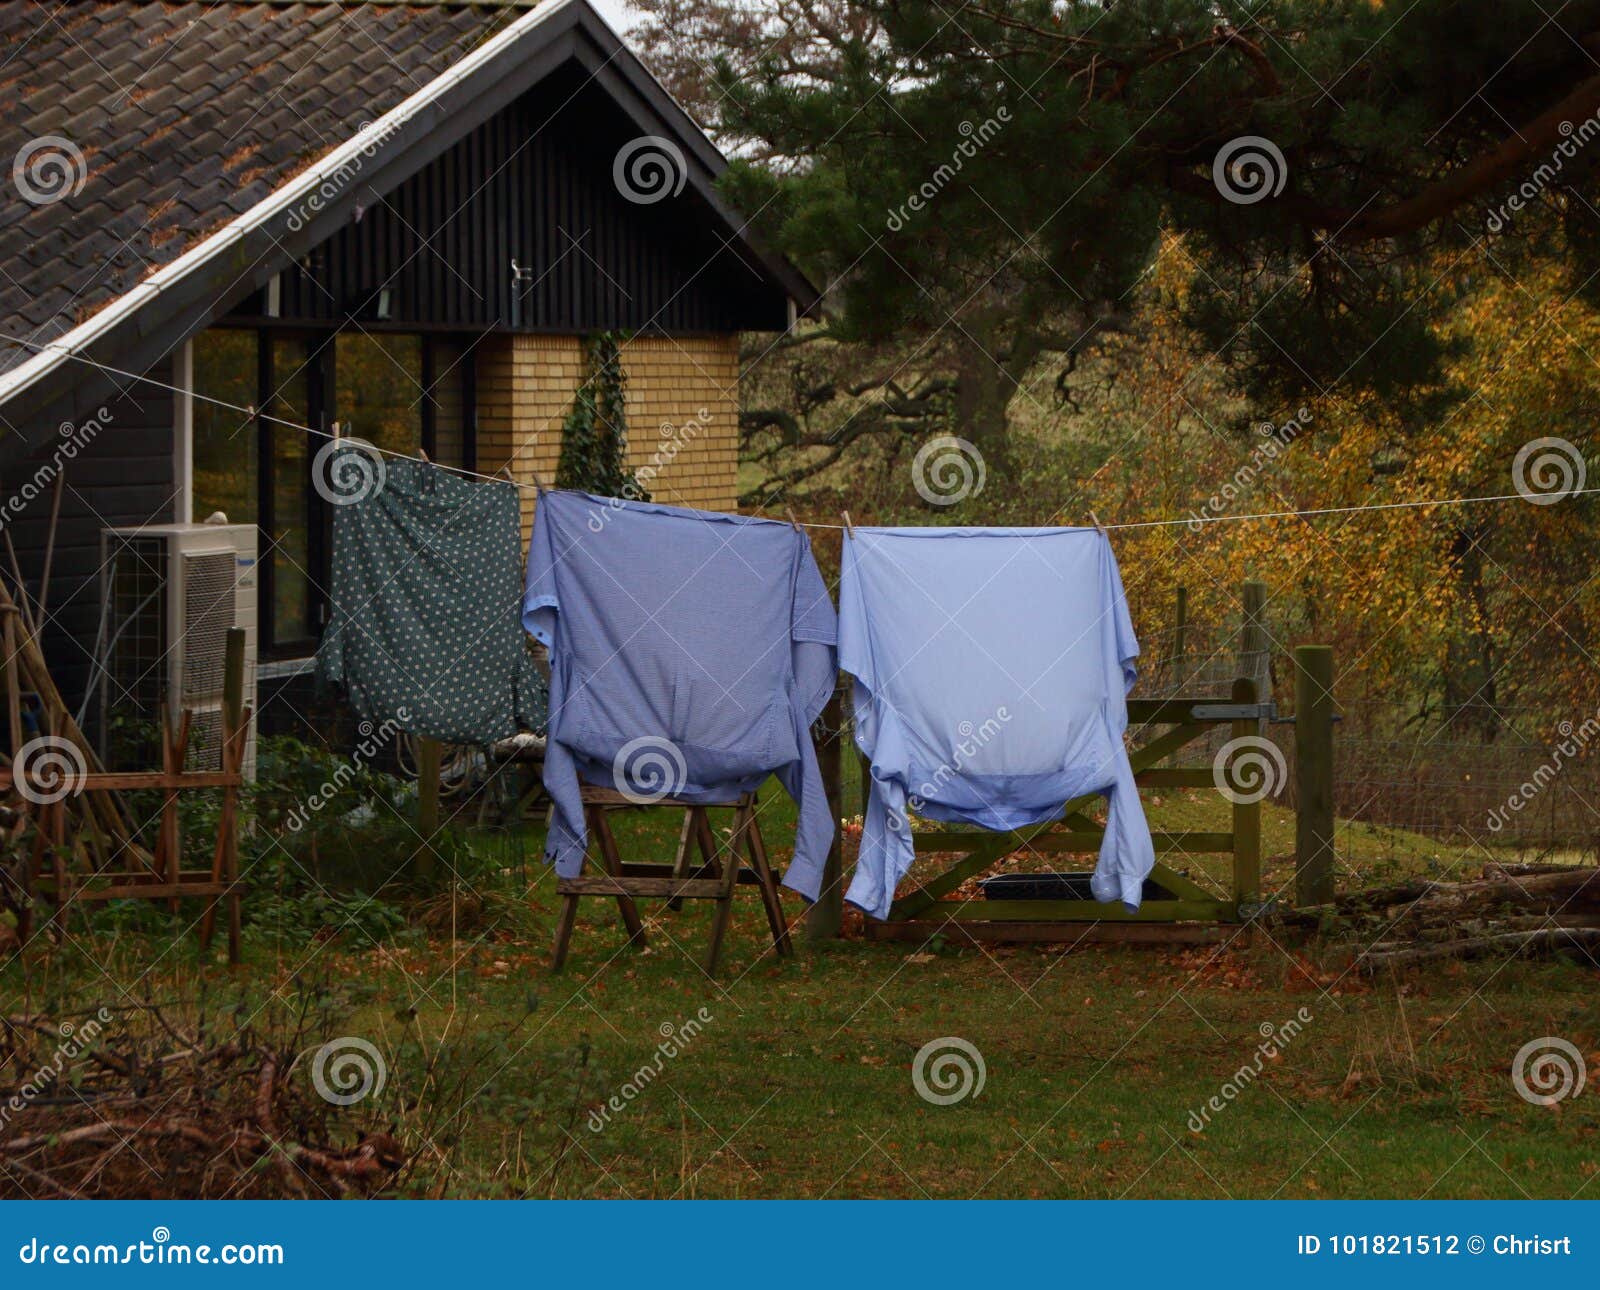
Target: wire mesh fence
{"x": 1522, "y": 780}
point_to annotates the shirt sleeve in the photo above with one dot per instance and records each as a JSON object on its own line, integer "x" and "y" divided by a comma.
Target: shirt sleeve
{"x": 814, "y": 629}
{"x": 1125, "y": 645}
{"x": 540, "y": 603}
{"x": 814, "y": 632}
{"x": 1127, "y": 852}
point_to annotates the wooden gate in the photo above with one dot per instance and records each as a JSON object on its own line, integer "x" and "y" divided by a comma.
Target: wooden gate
{"x": 1184, "y": 912}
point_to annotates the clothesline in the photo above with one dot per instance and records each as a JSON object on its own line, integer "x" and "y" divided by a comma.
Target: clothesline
{"x": 503, "y": 477}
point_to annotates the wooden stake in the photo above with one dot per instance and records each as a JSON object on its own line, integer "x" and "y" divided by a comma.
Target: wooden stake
{"x": 13, "y": 680}
{"x": 1313, "y": 766}
{"x": 50, "y": 544}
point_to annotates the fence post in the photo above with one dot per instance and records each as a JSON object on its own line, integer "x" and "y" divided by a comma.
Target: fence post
{"x": 825, "y": 918}
{"x": 1313, "y": 763}
{"x": 1180, "y": 641}
{"x": 1246, "y": 815}
{"x": 1253, "y": 644}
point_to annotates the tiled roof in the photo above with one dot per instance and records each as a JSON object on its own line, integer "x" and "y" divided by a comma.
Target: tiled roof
{"x": 140, "y": 127}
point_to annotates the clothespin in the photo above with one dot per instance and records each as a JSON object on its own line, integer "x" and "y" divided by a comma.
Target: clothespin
{"x": 789, "y": 511}
{"x": 1098, "y": 527}
{"x": 422, "y": 454}
{"x": 505, "y": 470}
{"x": 538, "y": 484}
{"x": 849, "y": 524}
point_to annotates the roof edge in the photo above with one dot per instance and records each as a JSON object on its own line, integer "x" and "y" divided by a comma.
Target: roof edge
{"x": 295, "y": 191}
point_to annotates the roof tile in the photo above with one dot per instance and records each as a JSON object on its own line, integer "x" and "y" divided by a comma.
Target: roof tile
{"x": 185, "y": 116}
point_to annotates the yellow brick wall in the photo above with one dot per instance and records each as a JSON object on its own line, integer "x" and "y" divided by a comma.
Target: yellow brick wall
{"x": 682, "y": 404}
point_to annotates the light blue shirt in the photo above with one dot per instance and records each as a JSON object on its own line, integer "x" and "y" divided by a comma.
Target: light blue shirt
{"x": 690, "y": 651}
{"x": 991, "y": 671}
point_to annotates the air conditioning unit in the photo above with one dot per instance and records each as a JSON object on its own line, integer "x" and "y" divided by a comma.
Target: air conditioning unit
{"x": 171, "y": 592}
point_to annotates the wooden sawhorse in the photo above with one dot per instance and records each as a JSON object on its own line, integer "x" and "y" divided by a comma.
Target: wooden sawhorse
{"x": 716, "y": 877}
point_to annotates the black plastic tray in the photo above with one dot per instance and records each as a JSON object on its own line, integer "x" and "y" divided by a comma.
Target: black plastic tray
{"x": 1054, "y": 886}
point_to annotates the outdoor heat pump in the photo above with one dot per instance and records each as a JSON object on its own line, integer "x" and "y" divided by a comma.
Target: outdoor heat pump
{"x": 170, "y": 594}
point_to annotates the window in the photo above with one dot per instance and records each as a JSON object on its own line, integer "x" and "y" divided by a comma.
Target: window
{"x": 225, "y": 440}
{"x": 401, "y": 392}
{"x": 380, "y": 391}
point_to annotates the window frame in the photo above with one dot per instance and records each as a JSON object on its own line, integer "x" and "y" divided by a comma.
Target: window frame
{"x": 321, "y": 383}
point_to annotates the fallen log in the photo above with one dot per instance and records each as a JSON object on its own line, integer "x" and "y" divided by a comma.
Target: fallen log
{"x": 1544, "y": 941}
{"x": 1559, "y": 890}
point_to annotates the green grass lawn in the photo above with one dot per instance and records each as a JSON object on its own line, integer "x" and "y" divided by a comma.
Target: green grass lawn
{"x": 796, "y": 1079}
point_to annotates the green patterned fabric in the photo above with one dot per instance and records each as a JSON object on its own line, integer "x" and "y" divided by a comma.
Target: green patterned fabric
{"x": 427, "y": 593}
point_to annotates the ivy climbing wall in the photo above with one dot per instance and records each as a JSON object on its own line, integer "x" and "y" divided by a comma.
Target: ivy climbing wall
{"x": 682, "y": 407}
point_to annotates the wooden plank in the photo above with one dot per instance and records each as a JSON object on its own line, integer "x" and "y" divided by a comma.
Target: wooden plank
{"x": 1145, "y": 712}
{"x": 1181, "y": 887}
{"x": 768, "y": 884}
{"x": 661, "y": 869}
{"x": 593, "y": 795}
{"x": 680, "y": 857}
{"x": 1190, "y": 843}
{"x": 149, "y": 891}
{"x": 141, "y": 879}
{"x": 606, "y": 885}
{"x": 1152, "y": 911}
{"x": 723, "y": 914}
{"x": 100, "y": 781}
{"x": 920, "y": 931}
{"x": 1176, "y": 777}
{"x": 987, "y": 851}
{"x": 1163, "y": 746}
{"x": 994, "y": 846}
{"x": 600, "y": 832}
{"x": 1313, "y": 763}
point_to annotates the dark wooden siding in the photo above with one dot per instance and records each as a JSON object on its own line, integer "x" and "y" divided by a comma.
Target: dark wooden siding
{"x": 534, "y": 184}
{"x": 123, "y": 475}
